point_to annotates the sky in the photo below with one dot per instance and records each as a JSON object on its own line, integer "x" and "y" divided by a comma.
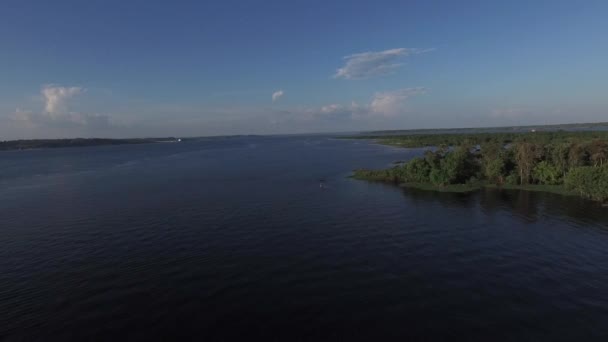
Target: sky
{"x": 195, "y": 68}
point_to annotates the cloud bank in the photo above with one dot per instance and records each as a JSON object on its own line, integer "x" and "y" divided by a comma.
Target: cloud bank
{"x": 58, "y": 116}
{"x": 371, "y": 64}
{"x": 277, "y": 95}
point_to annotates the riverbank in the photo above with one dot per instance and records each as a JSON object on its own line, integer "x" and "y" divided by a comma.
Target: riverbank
{"x": 463, "y": 188}
{"x": 472, "y": 187}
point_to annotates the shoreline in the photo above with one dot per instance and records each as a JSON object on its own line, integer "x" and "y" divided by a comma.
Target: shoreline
{"x": 469, "y": 188}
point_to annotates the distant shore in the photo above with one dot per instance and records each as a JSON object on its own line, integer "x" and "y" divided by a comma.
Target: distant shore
{"x": 572, "y": 127}
{"x": 78, "y": 142}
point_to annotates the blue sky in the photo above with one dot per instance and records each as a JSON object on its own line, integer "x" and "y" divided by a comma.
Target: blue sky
{"x": 158, "y": 68}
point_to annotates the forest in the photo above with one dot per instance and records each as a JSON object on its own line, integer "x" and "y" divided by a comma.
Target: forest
{"x": 564, "y": 162}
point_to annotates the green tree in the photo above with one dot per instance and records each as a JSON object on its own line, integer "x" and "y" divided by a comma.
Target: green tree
{"x": 559, "y": 157}
{"x": 439, "y": 176}
{"x": 598, "y": 152}
{"x": 526, "y": 155}
{"x": 545, "y": 173}
{"x": 458, "y": 165}
{"x": 493, "y": 161}
{"x": 433, "y": 158}
{"x": 417, "y": 170}
{"x": 491, "y": 150}
{"x": 494, "y": 170}
{"x": 576, "y": 155}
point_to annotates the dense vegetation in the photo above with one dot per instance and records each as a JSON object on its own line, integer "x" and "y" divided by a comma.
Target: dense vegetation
{"x": 79, "y": 142}
{"x": 575, "y": 162}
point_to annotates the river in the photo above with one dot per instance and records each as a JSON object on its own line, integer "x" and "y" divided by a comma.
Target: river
{"x": 226, "y": 238}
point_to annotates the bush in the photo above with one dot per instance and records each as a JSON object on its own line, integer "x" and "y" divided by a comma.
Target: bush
{"x": 439, "y": 177}
{"x": 512, "y": 179}
{"x": 457, "y": 167}
{"x": 546, "y": 173}
{"x": 493, "y": 170}
{"x": 417, "y": 170}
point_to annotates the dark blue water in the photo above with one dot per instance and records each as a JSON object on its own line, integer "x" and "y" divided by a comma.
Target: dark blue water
{"x": 233, "y": 238}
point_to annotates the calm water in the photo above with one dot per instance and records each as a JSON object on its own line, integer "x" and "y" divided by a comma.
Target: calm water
{"x": 233, "y": 237}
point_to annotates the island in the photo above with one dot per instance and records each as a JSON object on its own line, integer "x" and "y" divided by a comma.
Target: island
{"x": 77, "y": 142}
{"x": 565, "y": 162}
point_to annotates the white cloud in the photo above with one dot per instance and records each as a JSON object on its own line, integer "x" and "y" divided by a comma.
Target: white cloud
{"x": 56, "y": 113}
{"x": 53, "y": 117}
{"x": 370, "y": 64}
{"x": 56, "y": 97}
{"x": 391, "y": 103}
{"x": 383, "y": 105}
{"x": 332, "y": 108}
{"x": 277, "y": 95}
{"x": 345, "y": 111}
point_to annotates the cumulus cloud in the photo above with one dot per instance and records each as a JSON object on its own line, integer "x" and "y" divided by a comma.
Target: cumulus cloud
{"x": 375, "y": 63}
{"x": 56, "y": 111}
{"x": 56, "y": 97}
{"x": 277, "y": 95}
